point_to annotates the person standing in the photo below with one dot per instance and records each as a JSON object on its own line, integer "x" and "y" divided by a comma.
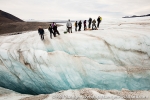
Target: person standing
{"x": 69, "y": 26}
{"x": 85, "y": 25}
{"x": 94, "y": 24}
{"x": 51, "y": 31}
{"x": 80, "y": 25}
{"x": 55, "y": 30}
{"x": 90, "y": 21}
{"x": 76, "y": 25}
{"x": 98, "y": 21}
{"x": 41, "y": 32}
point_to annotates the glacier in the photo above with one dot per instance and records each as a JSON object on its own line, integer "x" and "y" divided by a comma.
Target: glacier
{"x": 116, "y": 56}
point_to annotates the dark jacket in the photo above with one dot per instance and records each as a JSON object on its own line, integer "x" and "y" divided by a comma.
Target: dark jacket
{"x": 94, "y": 21}
{"x": 84, "y": 22}
{"x": 80, "y": 23}
{"x": 98, "y": 19}
{"x": 50, "y": 29}
{"x": 55, "y": 27}
{"x": 76, "y": 24}
{"x": 90, "y": 20}
{"x": 40, "y": 31}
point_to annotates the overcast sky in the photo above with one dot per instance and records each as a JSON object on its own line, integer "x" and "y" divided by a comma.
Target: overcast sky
{"x": 74, "y": 9}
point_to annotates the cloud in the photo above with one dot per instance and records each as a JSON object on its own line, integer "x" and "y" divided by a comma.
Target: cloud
{"x": 74, "y": 9}
{"x": 127, "y": 6}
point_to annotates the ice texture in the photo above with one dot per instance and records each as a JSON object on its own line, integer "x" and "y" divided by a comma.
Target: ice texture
{"x": 114, "y": 57}
{"x": 78, "y": 94}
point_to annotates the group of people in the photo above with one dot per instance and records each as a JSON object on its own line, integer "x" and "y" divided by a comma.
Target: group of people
{"x": 79, "y": 24}
{"x": 53, "y": 27}
{"x": 99, "y": 19}
{"x": 53, "y": 30}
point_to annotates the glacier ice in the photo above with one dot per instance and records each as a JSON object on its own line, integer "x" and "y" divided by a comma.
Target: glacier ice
{"x": 113, "y": 57}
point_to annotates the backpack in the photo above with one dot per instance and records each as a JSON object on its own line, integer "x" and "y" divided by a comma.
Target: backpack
{"x": 100, "y": 18}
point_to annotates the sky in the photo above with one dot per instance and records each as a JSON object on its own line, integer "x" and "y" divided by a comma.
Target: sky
{"x": 74, "y": 9}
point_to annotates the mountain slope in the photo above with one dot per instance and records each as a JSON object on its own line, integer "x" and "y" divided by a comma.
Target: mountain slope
{"x": 10, "y": 23}
{"x": 8, "y": 18}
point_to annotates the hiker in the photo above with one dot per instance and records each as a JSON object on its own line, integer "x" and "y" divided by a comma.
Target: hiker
{"x": 69, "y": 26}
{"x": 90, "y": 21}
{"x": 85, "y": 25}
{"x": 79, "y": 24}
{"x": 76, "y": 25}
{"x": 41, "y": 32}
{"x": 94, "y": 24}
{"x": 98, "y": 21}
{"x": 55, "y": 30}
{"x": 51, "y": 31}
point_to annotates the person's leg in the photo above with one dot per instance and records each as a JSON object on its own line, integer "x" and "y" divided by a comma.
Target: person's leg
{"x": 68, "y": 29}
{"x": 43, "y": 36}
{"x": 98, "y": 24}
{"x": 54, "y": 33}
{"x": 51, "y": 35}
{"x": 95, "y": 26}
{"x": 90, "y": 25}
{"x": 58, "y": 32}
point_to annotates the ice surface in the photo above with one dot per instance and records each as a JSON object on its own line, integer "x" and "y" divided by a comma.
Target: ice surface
{"x": 114, "y": 57}
{"x": 79, "y": 94}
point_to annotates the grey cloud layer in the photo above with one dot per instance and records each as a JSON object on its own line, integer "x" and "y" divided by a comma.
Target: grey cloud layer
{"x": 75, "y": 9}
